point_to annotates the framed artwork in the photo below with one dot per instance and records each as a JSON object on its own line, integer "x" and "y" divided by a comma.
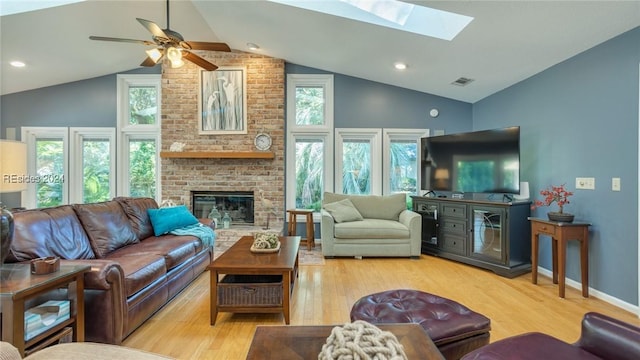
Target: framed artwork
{"x": 223, "y": 101}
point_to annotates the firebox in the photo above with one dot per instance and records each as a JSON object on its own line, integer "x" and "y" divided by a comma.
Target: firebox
{"x": 238, "y": 204}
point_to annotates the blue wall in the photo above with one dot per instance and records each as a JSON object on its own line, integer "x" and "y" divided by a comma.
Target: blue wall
{"x": 360, "y": 103}
{"x": 580, "y": 119}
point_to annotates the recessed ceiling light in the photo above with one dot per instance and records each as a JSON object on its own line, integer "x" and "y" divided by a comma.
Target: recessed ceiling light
{"x": 253, "y": 46}
{"x": 400, "y": 66}
{"x": 18, "y": 64}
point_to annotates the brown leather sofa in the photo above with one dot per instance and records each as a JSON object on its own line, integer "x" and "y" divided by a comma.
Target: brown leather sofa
{"x": 133, "y": 273}
{"x": 602, "y": 337}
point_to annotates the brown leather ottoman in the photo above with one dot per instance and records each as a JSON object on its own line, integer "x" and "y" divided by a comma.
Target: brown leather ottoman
{"x": 454, "y": 328}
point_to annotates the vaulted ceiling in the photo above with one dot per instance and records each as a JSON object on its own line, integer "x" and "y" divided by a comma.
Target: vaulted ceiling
{"x": 505, "y": 43}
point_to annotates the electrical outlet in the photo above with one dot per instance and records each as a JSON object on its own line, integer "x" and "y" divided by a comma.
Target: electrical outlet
{"x": 586, "y": 183}
{"x": 615, "y": 184}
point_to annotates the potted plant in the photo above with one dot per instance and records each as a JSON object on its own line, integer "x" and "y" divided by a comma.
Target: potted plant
{"x": 560, "y": 196}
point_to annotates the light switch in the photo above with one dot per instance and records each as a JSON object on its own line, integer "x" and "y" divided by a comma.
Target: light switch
{"x": 615, "y": 184}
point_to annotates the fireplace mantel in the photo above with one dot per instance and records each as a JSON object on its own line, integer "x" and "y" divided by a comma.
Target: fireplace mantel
{"x": 217, "y": 154}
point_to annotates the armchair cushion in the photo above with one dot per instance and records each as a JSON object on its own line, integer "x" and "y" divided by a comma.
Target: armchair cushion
{"x": 343, "y": 211}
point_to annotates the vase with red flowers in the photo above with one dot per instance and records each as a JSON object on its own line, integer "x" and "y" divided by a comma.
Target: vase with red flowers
{"x": 560, "y": 196}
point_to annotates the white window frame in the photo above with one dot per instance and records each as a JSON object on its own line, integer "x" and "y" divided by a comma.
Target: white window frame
{"x": 390, "y": 135}
{"x": 78, "y": 135}
{"x": 126, "y": 81}
{"x": 30, "y": 135}
{"x": 127, "y": 132}
{"x": 374, "y": 137}
{"x": 309, "y": 80}
{"x": 296, "y": 132}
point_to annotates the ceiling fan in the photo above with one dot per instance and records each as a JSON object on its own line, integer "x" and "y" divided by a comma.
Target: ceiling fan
{"x": 171, "y": 45}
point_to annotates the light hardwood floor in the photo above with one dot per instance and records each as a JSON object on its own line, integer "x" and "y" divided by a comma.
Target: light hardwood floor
{"x": 324, "y": 295}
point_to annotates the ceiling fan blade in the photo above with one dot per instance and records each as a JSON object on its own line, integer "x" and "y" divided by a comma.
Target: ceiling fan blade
{"x": 198, "y": 60}
{"x": 103, "y": 38}
{"x": 211, "y": 46}
{"x": 148, "y": 62}
{"x": 153, "y": 28}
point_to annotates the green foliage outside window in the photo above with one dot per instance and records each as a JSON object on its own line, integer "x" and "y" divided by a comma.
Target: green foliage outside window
{"x": 142, "y": 168}
{"x": 49, "y": 165}
{"x": 143, "y": 105}
{"x": 96, "y": 171}
{"x": 309, "y": 106}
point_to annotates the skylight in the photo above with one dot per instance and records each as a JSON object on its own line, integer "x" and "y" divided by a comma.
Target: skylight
{"x": 392, "y": 14}
{"x": 9, "y": 7}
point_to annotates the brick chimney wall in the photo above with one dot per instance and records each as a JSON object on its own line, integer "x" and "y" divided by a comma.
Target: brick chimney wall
{"x": 265, "y": 113}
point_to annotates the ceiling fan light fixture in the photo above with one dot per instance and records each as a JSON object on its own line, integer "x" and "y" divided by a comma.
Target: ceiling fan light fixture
{"x": 175, "y": 56}
{"x": 154, "y": 54}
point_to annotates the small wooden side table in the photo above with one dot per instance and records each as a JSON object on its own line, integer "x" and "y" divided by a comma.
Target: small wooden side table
{"x": 293, "y": 220}
{"x": 561, "y": 233}
{"x": 18, "y": 285}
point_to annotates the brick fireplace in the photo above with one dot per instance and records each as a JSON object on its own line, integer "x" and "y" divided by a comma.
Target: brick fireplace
{"x": 265, "y": 113}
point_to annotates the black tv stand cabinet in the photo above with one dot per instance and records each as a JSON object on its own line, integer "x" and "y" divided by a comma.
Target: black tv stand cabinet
{"x": 491, "y": 235}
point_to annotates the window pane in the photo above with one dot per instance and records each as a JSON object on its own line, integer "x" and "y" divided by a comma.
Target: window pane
{"x": 356, "y": 167}
{"x": 142, "y": 168}
{"x": 403, "y": 176}
{"x": 309, "y": 174}
{"x": 309, "y": 105}
{"x": 50, "y": 169}
{"x": 95, "y": 167}
{"x": 143, "y": 106}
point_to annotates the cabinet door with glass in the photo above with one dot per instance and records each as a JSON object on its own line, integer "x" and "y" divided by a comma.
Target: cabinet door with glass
{"x": 488, "y": 234}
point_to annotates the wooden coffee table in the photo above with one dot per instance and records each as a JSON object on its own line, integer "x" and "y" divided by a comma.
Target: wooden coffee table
{"x": 239, "y": 261}
{"x": 305, "y": 342}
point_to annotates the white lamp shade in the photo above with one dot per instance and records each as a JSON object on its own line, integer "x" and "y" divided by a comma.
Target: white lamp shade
{"x": 13, "y": 166}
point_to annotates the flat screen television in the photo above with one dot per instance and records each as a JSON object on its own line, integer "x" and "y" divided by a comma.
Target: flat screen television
{"x": 485, "y": 161}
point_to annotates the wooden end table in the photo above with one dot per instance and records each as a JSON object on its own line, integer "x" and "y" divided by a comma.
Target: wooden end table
{"x": 305, "y": 342}
{"x": 561, "y": 233}
{"x": 239, "y": 260}
{"x": 17, "y": 285}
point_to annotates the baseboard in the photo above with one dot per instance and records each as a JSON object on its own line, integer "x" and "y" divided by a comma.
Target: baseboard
{"x": 595, "y": 293}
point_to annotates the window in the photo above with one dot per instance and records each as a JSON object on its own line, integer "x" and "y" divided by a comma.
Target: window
{"x": 401, "y": 161}
{"x": 310, "y": 149}
{"x": 93, "y": 160}
{"x": 358, "y": 159}
{"x": 79, "y": 165}
{"x": 139, "y": 135}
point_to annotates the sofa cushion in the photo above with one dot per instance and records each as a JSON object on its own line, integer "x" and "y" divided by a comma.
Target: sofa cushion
{"x": 106, "y": 225}
{"x": 52, "y": 231}
{"x": 140, "y": 269}
{"x": 175, "y": 249}
{"x": 386, "y": 207}
{"x": 371, "y": 229}
{"x": 343, "y": 211}
{"x": 136, "y": 210}
{"x": 168, "y": 219}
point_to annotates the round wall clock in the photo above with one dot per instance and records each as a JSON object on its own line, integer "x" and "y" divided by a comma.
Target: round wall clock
{"x": 262, "y": 141}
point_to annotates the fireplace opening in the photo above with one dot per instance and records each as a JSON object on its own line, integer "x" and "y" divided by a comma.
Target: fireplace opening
{"x": 238, "y": 204}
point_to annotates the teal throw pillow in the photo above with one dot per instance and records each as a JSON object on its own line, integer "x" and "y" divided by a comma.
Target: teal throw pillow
{"x": 168, "y": 219}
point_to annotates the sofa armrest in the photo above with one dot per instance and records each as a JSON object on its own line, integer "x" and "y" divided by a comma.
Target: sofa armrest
{"x": 413, "y": 221}
{"x": 327, "y": 233}
{"x": 103, "y": 275}
{"x": 609, "y": 338}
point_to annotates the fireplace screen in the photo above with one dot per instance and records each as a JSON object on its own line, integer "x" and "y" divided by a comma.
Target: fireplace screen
{"x": 238, "y": 204}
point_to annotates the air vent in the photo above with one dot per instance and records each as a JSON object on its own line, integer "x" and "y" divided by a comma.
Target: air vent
{"x": 462, "y": 81}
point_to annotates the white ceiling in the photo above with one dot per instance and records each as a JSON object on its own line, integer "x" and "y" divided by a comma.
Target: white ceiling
{"x": 507, "y": 42}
